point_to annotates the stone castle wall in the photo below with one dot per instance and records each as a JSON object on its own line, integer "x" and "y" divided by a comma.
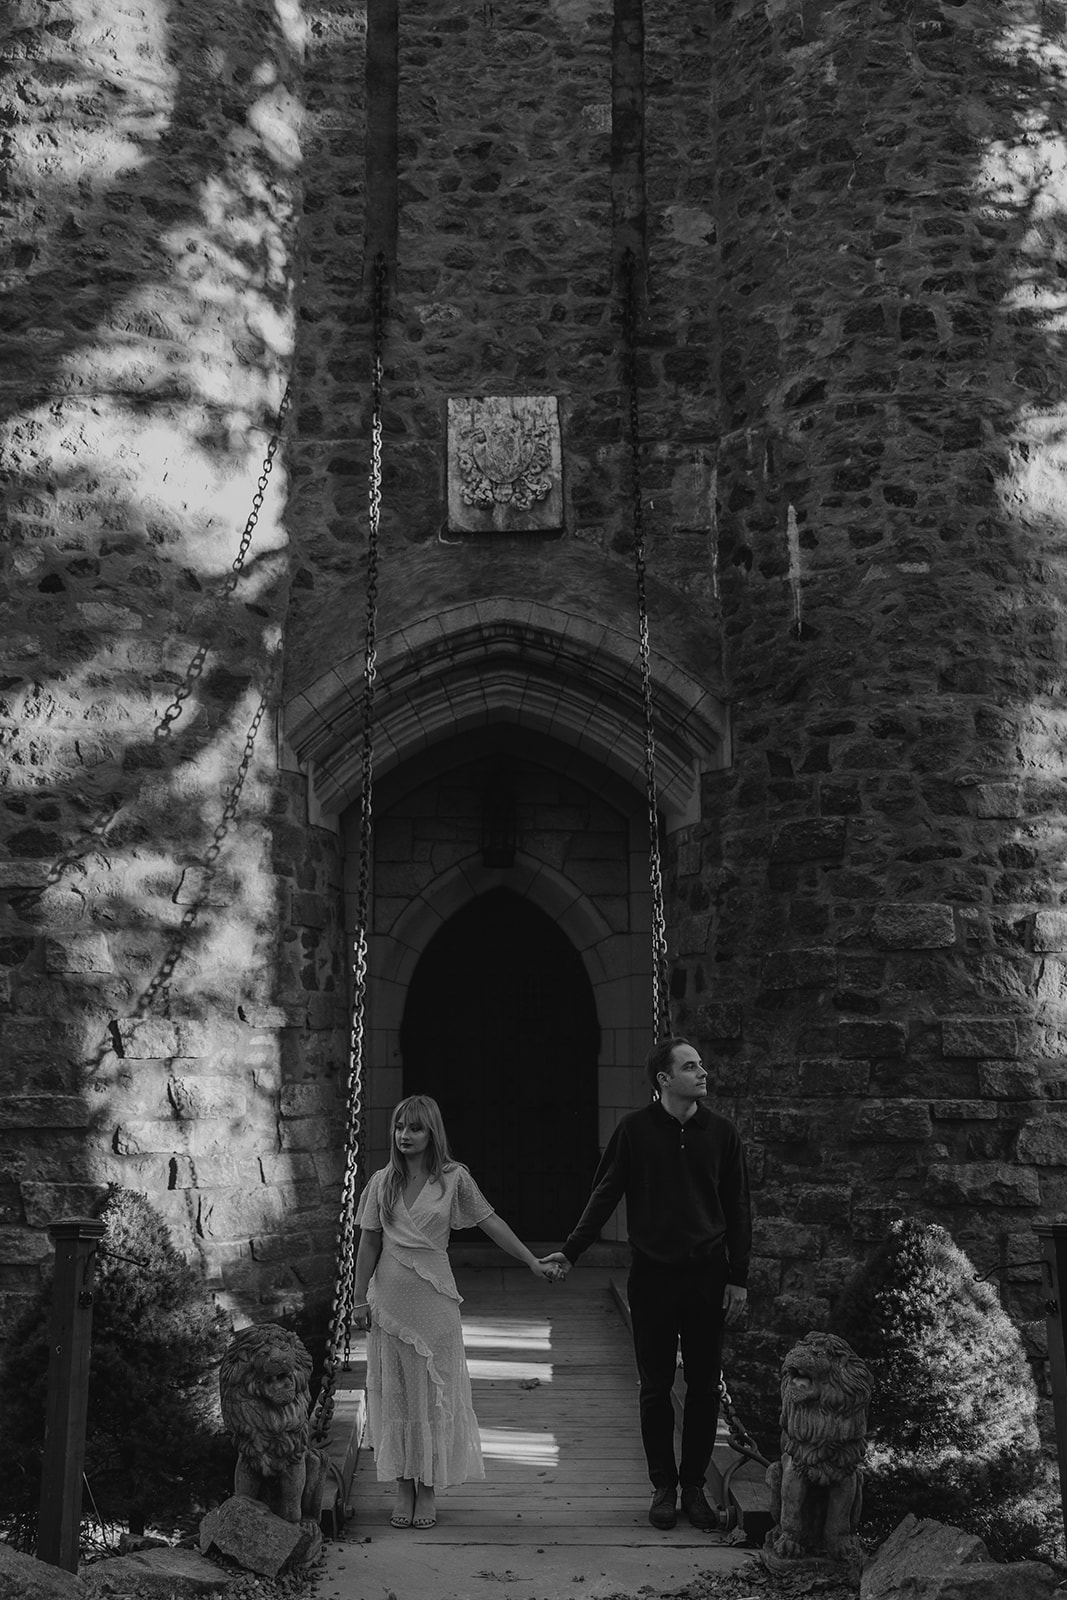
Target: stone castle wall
{"x": 151, "y": 948}
{"x": 849, "y": 230}
{"x": 884, "y": 861}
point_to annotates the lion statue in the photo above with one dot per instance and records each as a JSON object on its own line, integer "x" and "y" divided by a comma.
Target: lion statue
{"x": 817, "y": 1487}
{"x": 264, "y": 1387}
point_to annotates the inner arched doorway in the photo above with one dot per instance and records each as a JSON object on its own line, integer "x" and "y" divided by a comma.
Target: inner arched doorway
{"x": 500, "y": 1026}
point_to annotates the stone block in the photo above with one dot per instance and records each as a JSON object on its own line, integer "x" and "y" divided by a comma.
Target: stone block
{"x": 1043, "y": 1142}
{"x": 998, "y": 800}
{"x": 781, "y": 1237}
{"x": 813, "y": 840}
{"x": 145, "y": 1136}
{"x": 48, "y": 1202}
{"x": 43, "y": 1111}
{"x": 914, "y": 1551}
{"x": 16, "y": 875}
{"x": 990, "y": 1183}
{"x": 719, "y": 1020}
{"x": 1050, "y": 930}
{"x": 1007, "y": 1080}
{"x": 26, "y": 1578}
{"x": 892, "y": 1121}
{"x": 309, "y": 910}
{"x": 914, "y": 927}
{"x": 800, "y": 969}
{"x": 148, "y": 1039}
{"x": 306, "y": 1099}
{"x": 77, "y": 952}
{"x": 206, "y": 1096}
{"x": 18, "y": 1247}
{"x": 871, "y": 1039}
{"x": 963, "y": 1111}
{"x": 975, "y": 1037}
{"x": 775, "y": 1125}
{"x": 250, "y": 1534}
{"x": 826, "y": 1075}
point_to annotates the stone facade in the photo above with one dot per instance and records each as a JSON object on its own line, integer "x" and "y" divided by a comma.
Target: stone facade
{"x": 847, "y": 230}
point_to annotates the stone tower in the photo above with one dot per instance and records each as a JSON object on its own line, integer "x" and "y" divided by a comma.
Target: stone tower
{"x": 843, "y": 227}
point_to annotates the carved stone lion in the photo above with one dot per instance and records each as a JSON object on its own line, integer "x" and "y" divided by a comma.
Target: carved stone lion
{"x": 264, "y": 1387}
{"x": 817, "y": 1487}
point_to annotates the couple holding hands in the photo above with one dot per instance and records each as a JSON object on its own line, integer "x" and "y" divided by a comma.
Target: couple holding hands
{"x": 681, "y": 1169}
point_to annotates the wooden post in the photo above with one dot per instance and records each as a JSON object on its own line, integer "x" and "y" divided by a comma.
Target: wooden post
{"x": 1053, "y": 1237}
{"x": 59, "y": 1518}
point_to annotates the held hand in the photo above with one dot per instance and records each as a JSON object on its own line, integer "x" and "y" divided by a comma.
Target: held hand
{"x": 361, "y": 1319}
{"x": 734, "y": 1301}
{"x": 558, "y": 1260}
{"x": 546, "y": 1271}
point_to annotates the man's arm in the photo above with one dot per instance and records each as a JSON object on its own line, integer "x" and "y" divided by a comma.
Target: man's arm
{"x": 609, "y": 1186}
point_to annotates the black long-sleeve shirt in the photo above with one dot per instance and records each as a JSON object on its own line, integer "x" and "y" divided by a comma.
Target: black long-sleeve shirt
{"x": 686, "y": 1189}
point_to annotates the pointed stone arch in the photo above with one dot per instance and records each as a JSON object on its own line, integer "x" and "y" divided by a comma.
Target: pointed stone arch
{"x": 571, "y": 678}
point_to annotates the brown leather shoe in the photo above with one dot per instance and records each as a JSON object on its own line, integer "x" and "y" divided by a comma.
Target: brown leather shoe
{"x": 700, "y": 1514}
{"x": 663, "y": 1512}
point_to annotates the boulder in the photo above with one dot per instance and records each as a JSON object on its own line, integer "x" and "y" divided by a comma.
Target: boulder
{"x": 247, "y": 1532}
{"x": 26, "y": 1578}
{"x": 172, "y": 1573}
{"x": 927, "y": 1560}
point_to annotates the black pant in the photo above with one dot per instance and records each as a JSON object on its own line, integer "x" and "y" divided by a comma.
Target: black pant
{"x": 668, "y": 1304}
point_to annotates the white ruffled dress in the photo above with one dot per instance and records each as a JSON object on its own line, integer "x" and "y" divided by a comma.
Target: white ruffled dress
{"x": 419, "y": 1408}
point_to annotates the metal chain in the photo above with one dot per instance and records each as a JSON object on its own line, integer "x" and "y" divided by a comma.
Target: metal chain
{"x": 740, "y": 1437}
{"x": 339, "y": 1337}
{"x": 661, "y": 1016}
{"x": 196, "y": 665}
{"x": 159, "y": 988}
{"x": 106, "y": 817}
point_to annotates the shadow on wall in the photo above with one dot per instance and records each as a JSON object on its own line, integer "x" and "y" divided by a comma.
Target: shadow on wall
{"x": 154, "y": 187}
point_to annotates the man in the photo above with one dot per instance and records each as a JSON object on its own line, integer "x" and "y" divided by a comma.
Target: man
{"x": 682, "y": 1171}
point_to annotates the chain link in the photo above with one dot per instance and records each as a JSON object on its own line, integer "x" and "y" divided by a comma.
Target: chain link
{"x": 661, "y": 1015}
{"x": 339, "y": 1338}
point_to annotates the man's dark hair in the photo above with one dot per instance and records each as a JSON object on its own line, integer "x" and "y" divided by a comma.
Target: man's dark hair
{"x": 659, "y": 1058}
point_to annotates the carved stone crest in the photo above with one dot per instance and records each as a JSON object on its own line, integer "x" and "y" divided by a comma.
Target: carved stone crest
{"x": 504, "y": 462}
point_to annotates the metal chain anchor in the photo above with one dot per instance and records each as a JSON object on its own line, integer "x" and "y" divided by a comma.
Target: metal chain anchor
{"x": 339, "y": 1337}
{"x": 661, "y": 1015}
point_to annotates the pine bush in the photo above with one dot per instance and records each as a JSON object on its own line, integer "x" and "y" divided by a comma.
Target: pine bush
{"x": 953, "y": 1419}
{"x": 155, "y": 1448}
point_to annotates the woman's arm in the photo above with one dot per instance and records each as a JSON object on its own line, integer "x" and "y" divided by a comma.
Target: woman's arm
{"x": 370, "y": 1248}
{"x": 501, "y": 1234}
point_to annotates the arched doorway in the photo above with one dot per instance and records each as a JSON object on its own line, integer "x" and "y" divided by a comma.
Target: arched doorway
{"x": 500, "y": 1027}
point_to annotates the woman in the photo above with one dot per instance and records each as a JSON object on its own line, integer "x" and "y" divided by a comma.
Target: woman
{"x": 422, "y": 1422}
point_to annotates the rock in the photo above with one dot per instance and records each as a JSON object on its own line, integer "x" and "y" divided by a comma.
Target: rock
{"x": 917, "y": 1550}
{"x": 989, "y": 1580}
{"x": 250, "y": 1534}
{"x": 927, "y": 1560}
{"x": 26, "y": 1578}
{"x": 171, "y": 1573}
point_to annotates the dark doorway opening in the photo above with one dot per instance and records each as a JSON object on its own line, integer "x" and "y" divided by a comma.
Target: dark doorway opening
{"x": 500, "y": 1028}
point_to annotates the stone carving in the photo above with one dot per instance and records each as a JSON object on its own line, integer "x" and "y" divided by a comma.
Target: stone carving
{"x": 504, "y": 463}
{"x": 264, "y": 1388}
{"x": 817, "y": 1487}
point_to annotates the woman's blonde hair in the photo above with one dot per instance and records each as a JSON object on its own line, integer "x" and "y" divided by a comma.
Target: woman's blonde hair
{"x": 418, "y": 1110}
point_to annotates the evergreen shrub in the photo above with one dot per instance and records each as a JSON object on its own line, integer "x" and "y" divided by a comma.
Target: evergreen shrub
{"x": 155, "y": 1448}
{"x": 953, "y": 1418}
